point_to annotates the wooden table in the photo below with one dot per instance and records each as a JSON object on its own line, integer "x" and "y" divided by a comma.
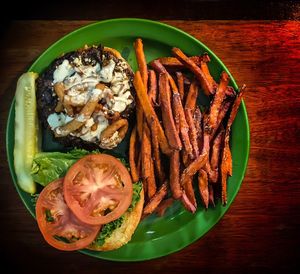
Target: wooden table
{"x": 260, "y": 231}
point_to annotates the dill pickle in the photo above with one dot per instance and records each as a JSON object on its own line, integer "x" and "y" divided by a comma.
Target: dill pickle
{"x": 26, "y": 130}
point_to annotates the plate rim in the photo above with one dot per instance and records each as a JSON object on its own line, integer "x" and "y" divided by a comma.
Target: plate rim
{"x": 242, "y": 109}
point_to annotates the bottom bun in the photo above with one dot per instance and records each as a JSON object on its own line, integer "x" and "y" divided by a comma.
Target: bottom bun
{"x": 123, "y": 234}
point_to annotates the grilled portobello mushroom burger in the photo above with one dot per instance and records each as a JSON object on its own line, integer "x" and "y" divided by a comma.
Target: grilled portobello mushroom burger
{"x": 85, "y": 98}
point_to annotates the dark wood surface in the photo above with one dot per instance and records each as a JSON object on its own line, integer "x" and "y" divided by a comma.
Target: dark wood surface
{"x": 260, "y": 231}
{"x": 154, "y": 9}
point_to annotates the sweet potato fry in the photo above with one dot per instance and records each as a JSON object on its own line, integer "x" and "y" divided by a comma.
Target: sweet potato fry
{"x": 149, "y": 112}
{"x": 152, "y": 89}
{"x": 159, "y": 68}
{"x": 235, "y": 107}
{"x": 226, "y": 163}
{"x": 205, "y": 69}
{"x": 190, "y": 64}
{"x": 229, "y": 156}
{"x": 183, "y": 125}
{"x": 192, "y": 131}
{"x": 156, "y": 153}
{"x": 167, "y": 114}
{"x": 163, "y": 206}
{"x": 132, "y": 163}
{"x": 152, "y": 95}
{"x": 156, "y": 199}
{"x": 230, "y": 92}
{"x": 206, "y": 149}
{"x": 206, "y": 141}
{"x": 222, "y": 113}
{"x": 192, "y": 96}
{"x": 142, "y": 65}
{"x": 139, "y": 119}
{"x": 141, "y": 60}
{"x": 193, "y": 167}
{"x": 175, "y": 168}
{"x": 187, "y": 185}
{"x": 187, "y": 178}
{"x": 146, "y": 152}
{"x": 147, "y": 163}
{"x": 218, "y": 100}
{"x": 174, "y": 63}
{"x": 139, "y": 164}
{"x": 175, "y": 175}
{"x": 215, "y": 157}
{"x": 232, "y": 116}
{"x": 187, "y": 203}
{"x": 198, "y": 124}
{"x": 203, "y": 187}
{"x": 185, "y": 158}
{"x": 151, "y": 181}
{"x": 211, "y": 195}
{"x": 180, "y": 83}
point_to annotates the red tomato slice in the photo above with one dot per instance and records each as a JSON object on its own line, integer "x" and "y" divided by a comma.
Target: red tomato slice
{"x": 98, "y": 189}
{"x": 59, "y": 226}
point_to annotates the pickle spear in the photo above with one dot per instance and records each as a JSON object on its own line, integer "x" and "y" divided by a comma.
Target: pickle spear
{"x": 26, "y": 130}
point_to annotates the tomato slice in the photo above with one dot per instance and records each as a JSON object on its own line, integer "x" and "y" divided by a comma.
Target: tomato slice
{"x": 59, "y": 226}
{"x": 98, "y": 189}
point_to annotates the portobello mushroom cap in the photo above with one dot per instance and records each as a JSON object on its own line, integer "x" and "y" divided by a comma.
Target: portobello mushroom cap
{"x": 103, "y": 66}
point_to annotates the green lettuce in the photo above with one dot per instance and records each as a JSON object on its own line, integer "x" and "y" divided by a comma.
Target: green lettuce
{"x": 108, "y": 229}
{"x": 49, "y": 166}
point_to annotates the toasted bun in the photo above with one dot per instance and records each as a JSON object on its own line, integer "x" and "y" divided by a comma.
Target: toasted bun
{"x": 123, "y": 234}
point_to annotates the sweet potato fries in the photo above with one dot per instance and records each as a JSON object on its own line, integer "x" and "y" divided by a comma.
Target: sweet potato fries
{"x": 184, "y": 148}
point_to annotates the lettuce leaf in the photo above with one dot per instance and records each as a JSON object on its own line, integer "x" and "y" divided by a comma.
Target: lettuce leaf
{"x": 49, "y": 166}
{"x": 108, "y": 229}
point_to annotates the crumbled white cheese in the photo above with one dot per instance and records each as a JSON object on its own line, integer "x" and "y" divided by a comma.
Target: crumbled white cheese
{"x": 118, "y": 77}
{"x": 73, "y": 92}
{"x": 62, "y": 71}
{"x": 81, "y": 118}
{"x": 119, "y": 106}
{"x": 58, "y": 119}
{"x": 95, "y": 94}
{"x": 120, "y": 87}
{"x": 91, "y": 81}
{"x": 88, "y": 70}
{"x": 77, "y": 100}
{"x": 89, "y": 122}
{"x": 122, "y": 101}
{"x": 72, "y": 81}
{"x": 90, "y": 134}
{"x": 106, "y": 72}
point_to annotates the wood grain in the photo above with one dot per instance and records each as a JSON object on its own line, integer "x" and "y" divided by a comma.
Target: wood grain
{"x": 260, "y": 231}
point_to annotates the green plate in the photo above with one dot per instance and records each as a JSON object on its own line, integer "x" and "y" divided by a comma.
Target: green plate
{"x": 155, "y": 236}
